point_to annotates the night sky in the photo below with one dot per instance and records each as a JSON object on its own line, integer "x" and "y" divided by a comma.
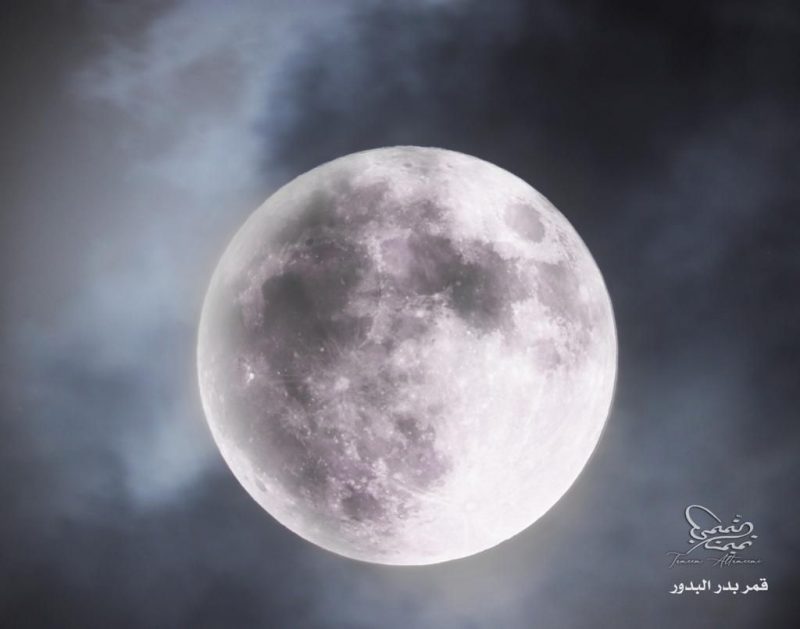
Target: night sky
{"x": 137, "y": 137}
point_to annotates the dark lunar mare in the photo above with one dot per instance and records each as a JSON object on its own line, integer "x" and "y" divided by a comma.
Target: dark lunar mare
{"x": 306, "y": 337}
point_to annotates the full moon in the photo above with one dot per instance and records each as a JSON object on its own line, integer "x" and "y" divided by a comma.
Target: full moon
{"x": 407, "y": 355}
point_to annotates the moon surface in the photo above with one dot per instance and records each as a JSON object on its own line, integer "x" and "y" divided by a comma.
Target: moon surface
{"x": 407, "y": 355}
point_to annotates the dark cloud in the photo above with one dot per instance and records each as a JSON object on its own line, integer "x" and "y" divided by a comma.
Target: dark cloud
{"x": 137, "y": 139}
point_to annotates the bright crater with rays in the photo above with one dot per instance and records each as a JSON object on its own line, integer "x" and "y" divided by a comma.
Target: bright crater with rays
{"x": 407, "y": 355}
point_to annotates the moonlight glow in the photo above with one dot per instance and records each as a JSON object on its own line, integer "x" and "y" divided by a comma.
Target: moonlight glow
{"x": 407, "y": 355}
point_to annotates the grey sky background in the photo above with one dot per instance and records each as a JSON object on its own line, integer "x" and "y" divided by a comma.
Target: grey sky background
{"x": 136, "y": 139}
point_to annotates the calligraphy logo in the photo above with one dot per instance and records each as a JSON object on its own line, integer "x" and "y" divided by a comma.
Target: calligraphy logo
{"x": 707, "y": 531}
